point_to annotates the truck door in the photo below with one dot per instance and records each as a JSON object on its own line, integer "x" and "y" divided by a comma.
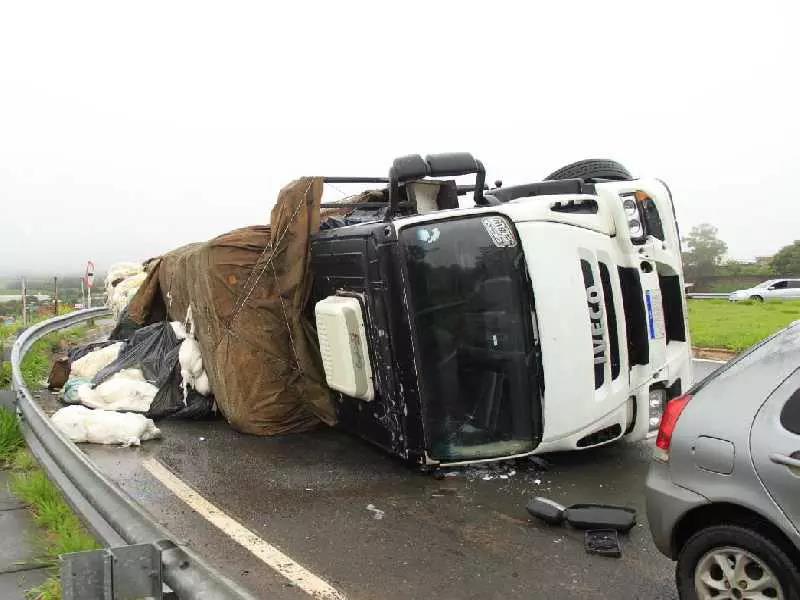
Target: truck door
{"x": 775, "y": 446}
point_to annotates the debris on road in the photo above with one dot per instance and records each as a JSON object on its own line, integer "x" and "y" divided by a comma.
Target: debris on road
{"x": 126, "y": 390}
{"x": 547, "y": 510}
{"x": 583, "y": 516}
{"x": 95, "y": 361}
{"x": 604, "y": 542}
{"x": 600, "y": 516}
{"x": 81, "y": 424}
{"x": 377, "y": 513}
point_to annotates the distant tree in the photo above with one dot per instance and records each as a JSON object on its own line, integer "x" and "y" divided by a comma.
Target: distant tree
{"x": 787, "y": 260}
{"x": 704, "y": 251}
{"x": 735, "y": 268}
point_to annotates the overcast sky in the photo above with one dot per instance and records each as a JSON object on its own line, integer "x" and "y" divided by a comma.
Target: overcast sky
{"x": 127, "y": 129}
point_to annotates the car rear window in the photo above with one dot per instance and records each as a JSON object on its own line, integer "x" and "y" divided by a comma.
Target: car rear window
{"x": 790, "y": 415}
{"x": 778, "y": 354}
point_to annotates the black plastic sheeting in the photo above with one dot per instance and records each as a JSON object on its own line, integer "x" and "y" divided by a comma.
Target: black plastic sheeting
{"x": 74, "y": 354}
{"x": 154, "y": 349}
{"x": 146, "y": 349}
{"x": 124, "y": 328}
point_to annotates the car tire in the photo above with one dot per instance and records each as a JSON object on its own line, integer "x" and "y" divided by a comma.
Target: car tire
{"x": 757, "y": 298}
{"x": 735, "y": 538}
{"x": 592, "y": 168}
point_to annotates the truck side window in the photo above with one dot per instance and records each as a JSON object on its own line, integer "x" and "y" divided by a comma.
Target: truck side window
{"x": 790, "y": 415}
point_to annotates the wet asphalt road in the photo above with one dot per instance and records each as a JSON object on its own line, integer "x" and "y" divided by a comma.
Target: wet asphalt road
{"x": 462, "y": 536}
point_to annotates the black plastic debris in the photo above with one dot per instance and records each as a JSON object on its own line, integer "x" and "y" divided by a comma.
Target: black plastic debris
{"x": 147, "y": 350}
{"x": 547, "y": 510}
{"x": 604, "y": 542}
{"x": 600, "y": 516}
{"x": 169, "y": 401}
{"x": 124, "y": 328}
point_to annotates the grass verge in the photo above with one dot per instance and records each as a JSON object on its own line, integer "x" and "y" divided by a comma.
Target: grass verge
{"x": 10, "y": 437}
{"x": 62, "y": 531}
{"x": 37, "y": 362}
{"x": 738, "y": 325}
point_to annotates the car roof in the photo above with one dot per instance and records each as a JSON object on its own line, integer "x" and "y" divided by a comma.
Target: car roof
{"x": 758, "y": 371}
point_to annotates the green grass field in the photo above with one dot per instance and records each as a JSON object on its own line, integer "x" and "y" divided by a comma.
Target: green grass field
{"x": 737, "y": 325}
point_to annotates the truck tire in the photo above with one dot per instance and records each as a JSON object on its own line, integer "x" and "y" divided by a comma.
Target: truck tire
{"x": 592, "y": 168}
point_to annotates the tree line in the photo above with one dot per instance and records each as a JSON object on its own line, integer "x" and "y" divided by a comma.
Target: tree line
{"x": 704, "y": 255}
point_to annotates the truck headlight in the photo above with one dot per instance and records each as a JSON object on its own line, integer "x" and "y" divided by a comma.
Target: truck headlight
{"x": 629, "y": 206}
{"x": 656, "y": 401}
{"x": 634, "y": 216}
{"x": 635, "y": 225}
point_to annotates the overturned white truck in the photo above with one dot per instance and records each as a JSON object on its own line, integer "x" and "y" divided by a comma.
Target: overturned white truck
{"x": 527, "y": 319}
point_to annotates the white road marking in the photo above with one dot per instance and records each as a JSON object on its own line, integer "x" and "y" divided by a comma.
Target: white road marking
{"x": 269, "y": 554}
{"x": 709, "y": 360}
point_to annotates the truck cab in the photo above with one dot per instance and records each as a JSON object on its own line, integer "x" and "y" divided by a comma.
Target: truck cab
{"x": 460, "y": 324}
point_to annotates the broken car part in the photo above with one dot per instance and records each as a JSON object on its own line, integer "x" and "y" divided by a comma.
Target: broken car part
{"x": 600, "y": 516}
{"x": 604, "y": 542}
{"x": 547, "y": 510}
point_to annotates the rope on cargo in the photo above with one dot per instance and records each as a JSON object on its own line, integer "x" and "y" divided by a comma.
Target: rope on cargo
{"x": 286, "y": 320}
{"x": 240, "y": 303}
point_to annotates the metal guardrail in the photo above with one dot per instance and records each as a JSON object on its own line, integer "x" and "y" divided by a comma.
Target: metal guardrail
{"x": 707, "y": 296}
{"x": 107, "y": 510}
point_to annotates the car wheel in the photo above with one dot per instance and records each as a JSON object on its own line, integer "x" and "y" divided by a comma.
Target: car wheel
{"x": 757, "y": 298}
{"x": 593, "y": 168}
{"x": 729, "y": 561}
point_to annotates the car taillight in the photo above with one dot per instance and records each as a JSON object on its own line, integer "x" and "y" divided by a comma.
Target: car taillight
{"x": 669, "y": 420}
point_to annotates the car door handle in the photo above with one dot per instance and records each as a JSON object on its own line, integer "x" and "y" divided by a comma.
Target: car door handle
{"x": 782, "y": 459}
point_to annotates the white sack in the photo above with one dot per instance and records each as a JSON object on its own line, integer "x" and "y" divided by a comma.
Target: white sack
{"x": 190, "y": 357}
{"x": 202, "y": 385}
{"x": 179, "y": 329}
{"x": 125, "y": 390}
{"x": 90, "y": 365}
{"x": 192, "y": 372}
{"x": 81, "y": 424}
{"x": 123, "y": 292}
{"x": 122, "y": 270}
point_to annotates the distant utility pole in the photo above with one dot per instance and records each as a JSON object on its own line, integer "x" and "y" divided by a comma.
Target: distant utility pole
{"x": 24, "y": 303}
{"x": 55, "y": 296}
{"x": 89, "y": 283}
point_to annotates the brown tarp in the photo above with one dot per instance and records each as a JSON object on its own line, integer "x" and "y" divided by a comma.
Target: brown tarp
{"x": 247, "y": 290}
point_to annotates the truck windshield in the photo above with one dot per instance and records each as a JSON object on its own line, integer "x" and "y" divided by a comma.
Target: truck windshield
{"x": 469, "y": 298}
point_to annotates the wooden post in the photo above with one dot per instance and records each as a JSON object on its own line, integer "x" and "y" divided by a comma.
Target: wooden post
{"x": 24, "y": 303}
{"x": 55, "y": 296}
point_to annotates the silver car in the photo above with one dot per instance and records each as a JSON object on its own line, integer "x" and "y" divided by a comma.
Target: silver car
{"x": 774, "y": 289}
{"x": 723, "y": 492}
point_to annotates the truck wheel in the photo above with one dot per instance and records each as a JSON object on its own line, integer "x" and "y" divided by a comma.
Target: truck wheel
{"x": 730, "y": 561}
{"x": 592, "y": 168}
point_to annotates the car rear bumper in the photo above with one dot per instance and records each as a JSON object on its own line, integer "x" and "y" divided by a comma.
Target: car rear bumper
{"x": 667, "y": 503}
